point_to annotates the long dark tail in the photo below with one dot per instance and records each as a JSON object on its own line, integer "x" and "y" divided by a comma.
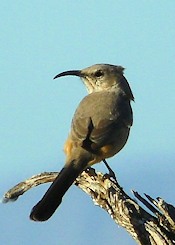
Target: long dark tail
{"x": 44, "y": 209}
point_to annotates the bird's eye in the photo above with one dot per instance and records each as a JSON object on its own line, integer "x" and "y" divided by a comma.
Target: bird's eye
{"x": 98, "y": 73}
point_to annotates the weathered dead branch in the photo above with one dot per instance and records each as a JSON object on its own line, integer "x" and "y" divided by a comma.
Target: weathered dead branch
{"x": 147, "y": 228}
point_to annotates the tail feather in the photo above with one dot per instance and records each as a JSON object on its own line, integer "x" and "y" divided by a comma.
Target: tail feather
{"x": 44, "y": 209}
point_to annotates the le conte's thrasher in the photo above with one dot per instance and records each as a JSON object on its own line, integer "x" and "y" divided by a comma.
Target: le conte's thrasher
{"x": 99, "y": 130}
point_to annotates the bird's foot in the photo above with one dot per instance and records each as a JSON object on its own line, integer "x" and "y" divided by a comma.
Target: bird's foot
{"x": 111, "y": 173}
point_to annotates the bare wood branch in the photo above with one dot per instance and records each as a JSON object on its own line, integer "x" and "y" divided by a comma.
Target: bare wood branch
{"x": 146, "y": 228}
{"x": 22, "y": 187}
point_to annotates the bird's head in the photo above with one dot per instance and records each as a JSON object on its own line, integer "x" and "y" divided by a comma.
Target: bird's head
{"x": 102, "y": 77}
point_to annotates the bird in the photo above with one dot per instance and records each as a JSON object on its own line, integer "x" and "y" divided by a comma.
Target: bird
{"x": 100, "y": 128}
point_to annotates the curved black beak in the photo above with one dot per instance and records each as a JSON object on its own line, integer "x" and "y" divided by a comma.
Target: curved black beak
{"x": 69, "y": 73}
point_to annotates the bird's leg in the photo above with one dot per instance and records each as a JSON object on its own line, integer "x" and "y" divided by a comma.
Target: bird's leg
{"x": 111, "y": 172}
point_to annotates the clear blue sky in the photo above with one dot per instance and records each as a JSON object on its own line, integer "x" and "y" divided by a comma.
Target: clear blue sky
{"x": 42, "y": 38}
